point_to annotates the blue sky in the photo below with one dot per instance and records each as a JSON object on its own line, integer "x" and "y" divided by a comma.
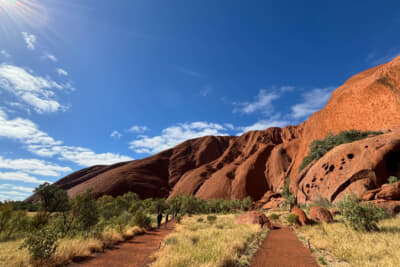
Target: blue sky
{"x": 86, "y": 82}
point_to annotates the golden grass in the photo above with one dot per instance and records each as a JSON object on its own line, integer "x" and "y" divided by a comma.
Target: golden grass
{"x": 11, "y": 256}
{"x": 68, "y": 248}
{"x": 200, "y": 243}
{"x": 358, "y": 248}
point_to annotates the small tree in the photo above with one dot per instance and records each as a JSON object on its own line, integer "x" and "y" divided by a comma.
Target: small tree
{"x": 84, "y": 211}
{"x": 290, "y": 199}
{"x": 360, "y": 216}
{"x": 52, "y": 198}
{"x": 141, "y": 219}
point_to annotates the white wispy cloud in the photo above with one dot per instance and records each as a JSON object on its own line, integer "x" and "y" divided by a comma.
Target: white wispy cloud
{"x": 205, "y": 91}
{"x": 175, "y": 135}
{"x": 20, "y": 177}
{"x": 33, "y": 166}
{"x": 188, "y": 71}
{"x": 17, "y": 188}
{"x": 5, "y": 54}
{"x": 138, "y": 129}
{"x": 313, "y": 100}
{"x": 62, "y": 72}
{"x": 40, "y": 143}
{"x": 30, "y": 40}
{"x": 35, "y": 91}
{"x": 116, "y": 134}
{"x": 263, "y": 102}
{"x": 51, "y": 57}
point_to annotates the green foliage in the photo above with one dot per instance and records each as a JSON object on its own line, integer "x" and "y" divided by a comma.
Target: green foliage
{"x": 360, "y": 216}
{"x": 293, "y": 218}
{"x": 290, "y": 199}
{"x": 274, "y": 216}
{"x": 246, "y": 204}
{"x": 84, "y": 211}
{"x": 211, "y": 218}
{"x": 320, "y": 147}
{"x": 141, "y": 219}
{"x": 322, "y": 260}
{"x": 12, "y": 222}
{"x": 393, "y": 179}
{"x": 52, "y": 198}
{"x": 322, "y": 202}
{"x": 41, "y": 244}
{"x": 178, "y": 218}
{"x": 200, "y": 220}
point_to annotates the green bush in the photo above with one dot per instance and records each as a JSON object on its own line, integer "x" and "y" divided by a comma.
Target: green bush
{"x": 211, "y": 218}
{"x": 322, "y": 260}
{"x": 393, "y": 179}
{"x": 360, "y": 216}
{"x": 141, "y": 219}
{"x": 320, "y": 147}
{"x": 293, "y": 218}
{"x": 290, "y": 199}
{"x": 200, "y": 220}
{"x": 84, "y": 211}
{"x": 274, "y": 216}
{"x": 178, "y": 218}
{"x": 41, "y": 244}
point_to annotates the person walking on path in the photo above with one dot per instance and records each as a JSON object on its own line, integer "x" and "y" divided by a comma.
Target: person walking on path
{"x": 166, "y": 220}
{"x": 159, "y": 218}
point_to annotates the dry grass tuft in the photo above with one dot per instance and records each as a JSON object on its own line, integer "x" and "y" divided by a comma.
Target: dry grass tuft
{"x": 11, "y": 256}
{"x": 199, "y": 243}
{"x": 358, "y": 248}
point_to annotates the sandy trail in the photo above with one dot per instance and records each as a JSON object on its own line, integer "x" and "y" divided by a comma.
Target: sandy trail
{"x": 282, "y": 248}
{"x": 133, "y": 253}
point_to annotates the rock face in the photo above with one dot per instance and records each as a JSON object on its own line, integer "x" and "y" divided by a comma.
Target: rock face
{"x": 233, "y": 167}
{"x": 254, "y": 217}
{"x": 320, "y": 214}
{"x": 303, "y": 219}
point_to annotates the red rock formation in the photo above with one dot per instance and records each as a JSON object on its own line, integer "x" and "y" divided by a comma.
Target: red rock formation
{"x": 303, "y": 219}
{"x": 351, "y": 168}
{"x": 258, "y": 161}
{"x": 254, "y": 217}
{"x": 320, "y": 214}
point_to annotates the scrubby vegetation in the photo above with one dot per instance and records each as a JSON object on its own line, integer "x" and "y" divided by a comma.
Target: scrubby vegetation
{"x": 197, "y": 243}
{"x": 349, "y": 247}
{"x": 290, "y": 199}
{"x": 62, "y": 229}
{"x": 360, "y": 216}
{"x": 319, "y": 148}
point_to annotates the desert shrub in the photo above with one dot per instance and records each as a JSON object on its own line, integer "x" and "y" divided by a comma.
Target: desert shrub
{"x": 322, "y": 202}
{"x": 122, "y": 221}
{"x": 322, "y": 260}
{"x": 247, "y": 202}
{"x": 39, "y": 220}
{"x": 13, "y": 223}
{"x": 41, "y": 244}
{"x": 219, "y": 226}
{"x": 293, "y": 218}
{"x": 274, "y": 216}
{"x": 320, "y": 147}
{"x": 141, "y": 219}
{"x": 84, "y": 212}
{"x": 211, "y": 218}
{"x": 290, "y": 199}
{"x": 360, "y": 216}
{"x": 200, "y": 220}
{"x": 393, "y": 179}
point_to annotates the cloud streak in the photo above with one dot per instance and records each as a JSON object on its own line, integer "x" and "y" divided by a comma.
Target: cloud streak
{"x": 30, "y": 40}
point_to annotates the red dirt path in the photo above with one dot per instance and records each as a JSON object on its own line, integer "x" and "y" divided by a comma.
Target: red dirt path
{"x": 282, "y": 248}
{"x": 132, "y": 253}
